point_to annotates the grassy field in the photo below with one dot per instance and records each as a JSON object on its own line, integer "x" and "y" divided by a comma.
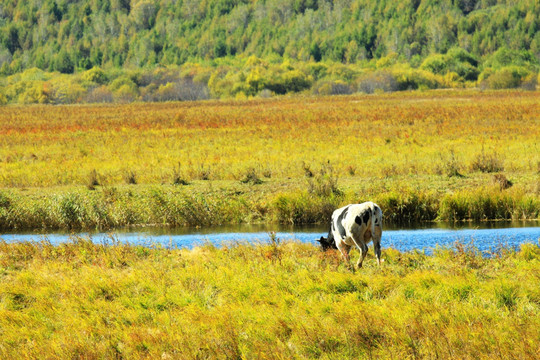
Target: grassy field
{"x": 447, "y": 155}
{"x": 281, "y": 300}
{"x": 441, "y": 155}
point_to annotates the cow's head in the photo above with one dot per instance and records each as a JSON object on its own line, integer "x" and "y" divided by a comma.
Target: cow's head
{"x": 326, "y": 244}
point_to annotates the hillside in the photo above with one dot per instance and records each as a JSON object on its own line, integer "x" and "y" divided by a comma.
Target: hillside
{"x": 71, "y": 36}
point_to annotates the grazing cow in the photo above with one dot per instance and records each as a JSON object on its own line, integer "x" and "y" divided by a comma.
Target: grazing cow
{"x": 355, "y": 225}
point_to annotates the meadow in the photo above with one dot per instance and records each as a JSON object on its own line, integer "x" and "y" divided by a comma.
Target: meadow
{"x": 275, "y": 300}
{"x": 436, "y": 155}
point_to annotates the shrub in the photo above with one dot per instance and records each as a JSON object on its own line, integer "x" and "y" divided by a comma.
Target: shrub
{"x": 72, "y": 211}
{"x": 457, "y": 60}
{"x": 529, "y": 82}
{"x": 298, "y": 209}
{"x": 482, "y": 204}
{"x": 130, "y": 177}
{"x": 125, "y": 93}
{"x": 337, "y": 87}
{"x": 5, "y": 201}
{"x": 487, "y": 163}
{"x": 379, "y": 80}
{"x": 507, "y": 296}
{"x": 411, "y": 79}
{"x": 99, "y": 94}
{"x": 501, "y": 181}
{"x": 178, "y": 177}
{"x": 450, "y": 167}
{"x": 34, "y": 74}
{"x": 507, "y": 78}
{"x": 96, "y": 75}
{"x": 290, "y": 81}
{"x": 93, "y": 180}
{"x": 506, "y": 57}
{"x": 435, "y": 63}
{"x": 122, "y": 81}
{"x": 324, "y": 183}
{"x": 408, "y": 206}
{"x": 64, "y": 90}
{"x": 251, "y": 177}
{"x": 35, "y": 93}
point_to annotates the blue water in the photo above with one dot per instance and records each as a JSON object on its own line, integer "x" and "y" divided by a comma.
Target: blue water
{"x": 485, "y": 240}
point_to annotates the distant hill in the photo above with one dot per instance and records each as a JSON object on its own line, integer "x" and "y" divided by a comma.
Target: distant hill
{"x": 66, "y": 35}
{"x": 460, "y": 42}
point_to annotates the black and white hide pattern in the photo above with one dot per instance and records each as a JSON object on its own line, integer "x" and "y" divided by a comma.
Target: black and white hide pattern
{"x": 355, "y": 225}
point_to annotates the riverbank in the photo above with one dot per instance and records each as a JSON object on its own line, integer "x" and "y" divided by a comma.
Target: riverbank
{"x": 405, "y": 200}
{"x": 275, "y": 300}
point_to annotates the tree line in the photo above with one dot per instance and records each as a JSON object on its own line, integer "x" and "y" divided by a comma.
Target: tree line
{"x": 299, "y": 44}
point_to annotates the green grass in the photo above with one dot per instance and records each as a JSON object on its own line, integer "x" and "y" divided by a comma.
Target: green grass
{"x": 281, "y": 300}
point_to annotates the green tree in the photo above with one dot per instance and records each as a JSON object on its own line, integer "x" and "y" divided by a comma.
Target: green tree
{"x": 63, "y": 63}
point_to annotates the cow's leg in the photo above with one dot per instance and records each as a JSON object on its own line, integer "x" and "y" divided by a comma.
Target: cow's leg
{"x": 363, "y": 252}
{"x": 345, "y": 249}
{"x": 377, "y": 243}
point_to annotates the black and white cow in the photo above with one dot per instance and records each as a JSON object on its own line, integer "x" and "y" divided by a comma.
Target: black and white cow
{"x": 355, "y": 225}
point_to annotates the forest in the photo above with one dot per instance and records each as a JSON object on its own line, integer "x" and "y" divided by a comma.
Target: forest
{"x": 69, "y": 51}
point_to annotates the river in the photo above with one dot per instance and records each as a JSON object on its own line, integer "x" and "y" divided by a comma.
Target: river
{"x": 486, "y": 237}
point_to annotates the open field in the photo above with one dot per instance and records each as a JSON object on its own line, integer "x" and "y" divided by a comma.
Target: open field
{"x": 421, "y": 155}
{"x": 280, "y": 300}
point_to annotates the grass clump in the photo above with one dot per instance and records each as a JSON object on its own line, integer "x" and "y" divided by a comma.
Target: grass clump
{"x": 93, "y": 180}
{"x": 451, "y": 167}
{"x": 112, "y": 300}
{"x": 502, "y": 181}
{"x": 178, "y": 176}
{"x": 130, "y": 177}
{"x": 487, "y": 163}
{"x": 251, "y": 177}
{"x": 323, "y": 183}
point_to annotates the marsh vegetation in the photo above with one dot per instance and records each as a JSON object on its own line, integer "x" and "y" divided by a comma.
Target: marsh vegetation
{"x": 277, "y": 300}
{"x": 443, "y": 155}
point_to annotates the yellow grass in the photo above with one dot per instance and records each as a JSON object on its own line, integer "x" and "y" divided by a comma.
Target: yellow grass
{"x": 279, "y": 301}
{"x": 422, "y": 155}
{"x": 406, "y": 134}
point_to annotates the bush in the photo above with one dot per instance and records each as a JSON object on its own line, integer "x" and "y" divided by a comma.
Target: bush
{"x": 35, "y": 93}
{"x": 481, "y": 205}
{"x": 412, "y": 79}
{"x": 337, "y": 87}
{"x": 96, "y": 75}
{"x": 324, "y": 183}
{"x": 505, "y": 57}
{"x": 435, "y": 63}
{"x": 457, "y": 60}
{"x": 251, "y": 177}
{"x": 125, "y": 93}
{"x": 408, "y": 206}
{"x": 64, "y": 90}
{"x": 487, "y": 163}
{"x": 529, "y": 82}
{"x": 378, "y": 81}
{"x": 99, "y": 95}
{"x": 297, "y": 209}
{"x": 508, "y": 78}
{"x": 290, "y": 81}
{"x": 501, "y": 181}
